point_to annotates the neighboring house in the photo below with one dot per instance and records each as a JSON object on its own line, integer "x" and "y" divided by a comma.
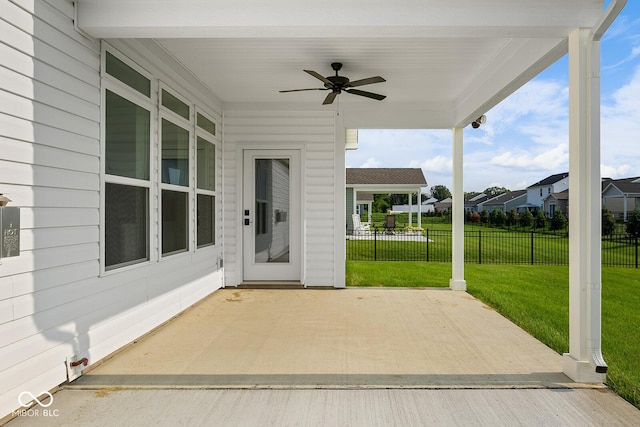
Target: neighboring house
{"x": 539, "y": 191}
{"x": 426, "y": 206}
{"x": 621, "y": 196}
{"x": 505, "y": 202}
{"x": 473, "y": 204}
{"x": 557, "y": 202}
{"x": 154, "y": 160}
{"x": 429, "y": 205}
{"x": 443, "y": 205}
{"x": 363, "y": 183}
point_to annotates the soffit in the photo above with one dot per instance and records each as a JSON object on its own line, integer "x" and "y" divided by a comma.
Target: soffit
{"x": 445, "y": 61}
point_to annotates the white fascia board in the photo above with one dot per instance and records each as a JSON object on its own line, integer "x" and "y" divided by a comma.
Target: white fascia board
{"x": 359, "y": 18}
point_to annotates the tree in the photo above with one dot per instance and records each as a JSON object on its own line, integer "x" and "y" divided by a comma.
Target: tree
{"x": 484, "y": 217}
{"x": 497, "y": 218}
{"x": 381, "y": 203}
{"x": 540, "y": 221}
{"x": 512, "y": 218}
{"x": 608, "y": 222}
{"x": 495, "y": 191}
{"x": 559, "y": 221}
{"x": 526, "y": 219}
{"x": 633, "y": 223}
{"x": 440, "y": 192}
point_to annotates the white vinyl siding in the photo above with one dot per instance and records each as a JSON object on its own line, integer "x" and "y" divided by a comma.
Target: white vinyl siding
{"x": 314, "y": 133}
{"x": 53, "y": 300}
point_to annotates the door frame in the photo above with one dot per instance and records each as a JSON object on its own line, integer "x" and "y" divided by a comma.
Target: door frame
{"x": 296, "y": 157}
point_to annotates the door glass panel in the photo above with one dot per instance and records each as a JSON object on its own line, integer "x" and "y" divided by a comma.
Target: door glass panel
{"x": 272, "y": 210}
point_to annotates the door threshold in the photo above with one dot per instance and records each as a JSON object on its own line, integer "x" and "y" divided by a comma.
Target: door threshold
{"x": 262, "y": 284}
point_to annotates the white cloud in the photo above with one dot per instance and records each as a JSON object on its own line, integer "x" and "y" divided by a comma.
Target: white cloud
{"x": 621, "y": 171}
{"x": 435, "y": 164}
{"x": 371, "y": 163}
{"x": 620, "y": 128}
{"x": 546, "y": 161}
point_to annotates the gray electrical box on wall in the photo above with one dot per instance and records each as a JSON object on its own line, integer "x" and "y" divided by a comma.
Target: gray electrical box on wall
{"x": 9, "y": 231}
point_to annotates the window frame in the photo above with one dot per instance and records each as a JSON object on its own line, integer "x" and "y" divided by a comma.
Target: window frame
{"x": 155, "y": 186}
{"x": 114, "y": 85}
{"x": 211, "y": 139}
{"x": 165, "y": 113}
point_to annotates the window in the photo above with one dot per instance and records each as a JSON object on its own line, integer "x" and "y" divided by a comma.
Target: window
{"x": 144, "y": 120}
{"x": 176, "y": 180}
{"x": 127, "y": 144}
{"x": 541, "y": 192}
{"x": 126, "y": 225}
{"x": 205, "y": 182}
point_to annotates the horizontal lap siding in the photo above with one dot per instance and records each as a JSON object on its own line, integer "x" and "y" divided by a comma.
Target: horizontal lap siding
{"x": 53, "y": 302}
{"x": 312, "y": 131}
{"x": 49, "y": 167}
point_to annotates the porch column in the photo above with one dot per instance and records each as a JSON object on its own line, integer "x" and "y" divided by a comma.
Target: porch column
{"x": 625, "y": 207}
{"x": 584, "y": 362}
{"x": 410, "y": 210}
{"x": 457, "y": 281}
{"x": 419, "y": 199}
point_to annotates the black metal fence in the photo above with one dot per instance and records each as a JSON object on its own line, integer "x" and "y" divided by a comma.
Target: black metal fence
{"x": 484, "y": 247}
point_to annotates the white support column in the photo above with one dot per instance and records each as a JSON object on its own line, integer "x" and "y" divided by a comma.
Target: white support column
{"x": 419, "y": 199}
{"x": 457, "y": 281}
{"x": 410, "y": 210}
{"x": 584, "y": 362}
{"x": 625, "y": 208}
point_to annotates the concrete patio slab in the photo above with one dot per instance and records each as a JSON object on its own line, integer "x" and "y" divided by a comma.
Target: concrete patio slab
{"x": 357, "y": 357}
{"x": 349, "y": 338}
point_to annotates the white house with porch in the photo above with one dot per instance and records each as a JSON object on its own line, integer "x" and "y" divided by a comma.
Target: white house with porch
{"x": 364, "y": 183}
{"x": 154, "y": 160}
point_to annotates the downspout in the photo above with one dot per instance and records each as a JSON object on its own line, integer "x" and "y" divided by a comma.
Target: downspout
{"x": 598, "y": 30}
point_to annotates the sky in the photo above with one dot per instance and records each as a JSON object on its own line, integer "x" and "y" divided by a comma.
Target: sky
{"x": 526, "y": 137}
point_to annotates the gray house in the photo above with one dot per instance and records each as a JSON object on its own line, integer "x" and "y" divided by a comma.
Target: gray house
{"x": 505, "y": 202}
{"x": 621, "y": 196}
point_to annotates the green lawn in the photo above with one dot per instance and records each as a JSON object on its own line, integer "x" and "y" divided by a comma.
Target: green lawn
{"x": 537, "y": 299}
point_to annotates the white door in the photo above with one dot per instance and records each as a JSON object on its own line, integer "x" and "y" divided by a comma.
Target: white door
{"x": 271, "y": 215}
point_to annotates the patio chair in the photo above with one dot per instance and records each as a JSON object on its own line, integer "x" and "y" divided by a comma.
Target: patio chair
{"x": 360, "y": 227}
{"x": 389, "y": 224}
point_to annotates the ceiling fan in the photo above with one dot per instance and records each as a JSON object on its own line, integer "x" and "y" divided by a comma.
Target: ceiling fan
{"x": 337, "y": 84}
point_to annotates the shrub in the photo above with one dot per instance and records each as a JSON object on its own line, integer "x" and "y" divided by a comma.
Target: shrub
{"x": 475, "y": 217}
{"x": 608, "y": 222}
{"x": 512, "y": 217}
{"x": 526, "y": 219}
{"x": 484, "y": 217}
{"x": 559, "y": 221}
{"x": 633, "y": 223}
{"x": 540, "y": 221}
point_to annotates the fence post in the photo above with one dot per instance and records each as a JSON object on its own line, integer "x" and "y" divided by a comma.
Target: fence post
{"x": 479, "y": 246}
{"x": 427, "y": 243}
{"x": 375, "y": 244}
{"x": 532, "y": 238}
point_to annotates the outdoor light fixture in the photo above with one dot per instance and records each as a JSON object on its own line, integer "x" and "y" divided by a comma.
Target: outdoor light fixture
{"x": 479, "y": 121}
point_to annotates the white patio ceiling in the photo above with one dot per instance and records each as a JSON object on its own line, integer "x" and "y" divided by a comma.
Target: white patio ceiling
{"x": 446, "y": 62}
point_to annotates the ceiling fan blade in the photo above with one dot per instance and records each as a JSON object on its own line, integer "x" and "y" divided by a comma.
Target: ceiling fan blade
{"x": 329, "y": 99}
{"x": 319, "y": 77}
{"x": 366, "y": 94}
{"x": 370, "y": 80}
{"x": 300, "y": 90}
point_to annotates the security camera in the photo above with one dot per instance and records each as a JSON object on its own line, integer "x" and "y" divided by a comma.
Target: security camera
{"x": 479, "y": 121}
